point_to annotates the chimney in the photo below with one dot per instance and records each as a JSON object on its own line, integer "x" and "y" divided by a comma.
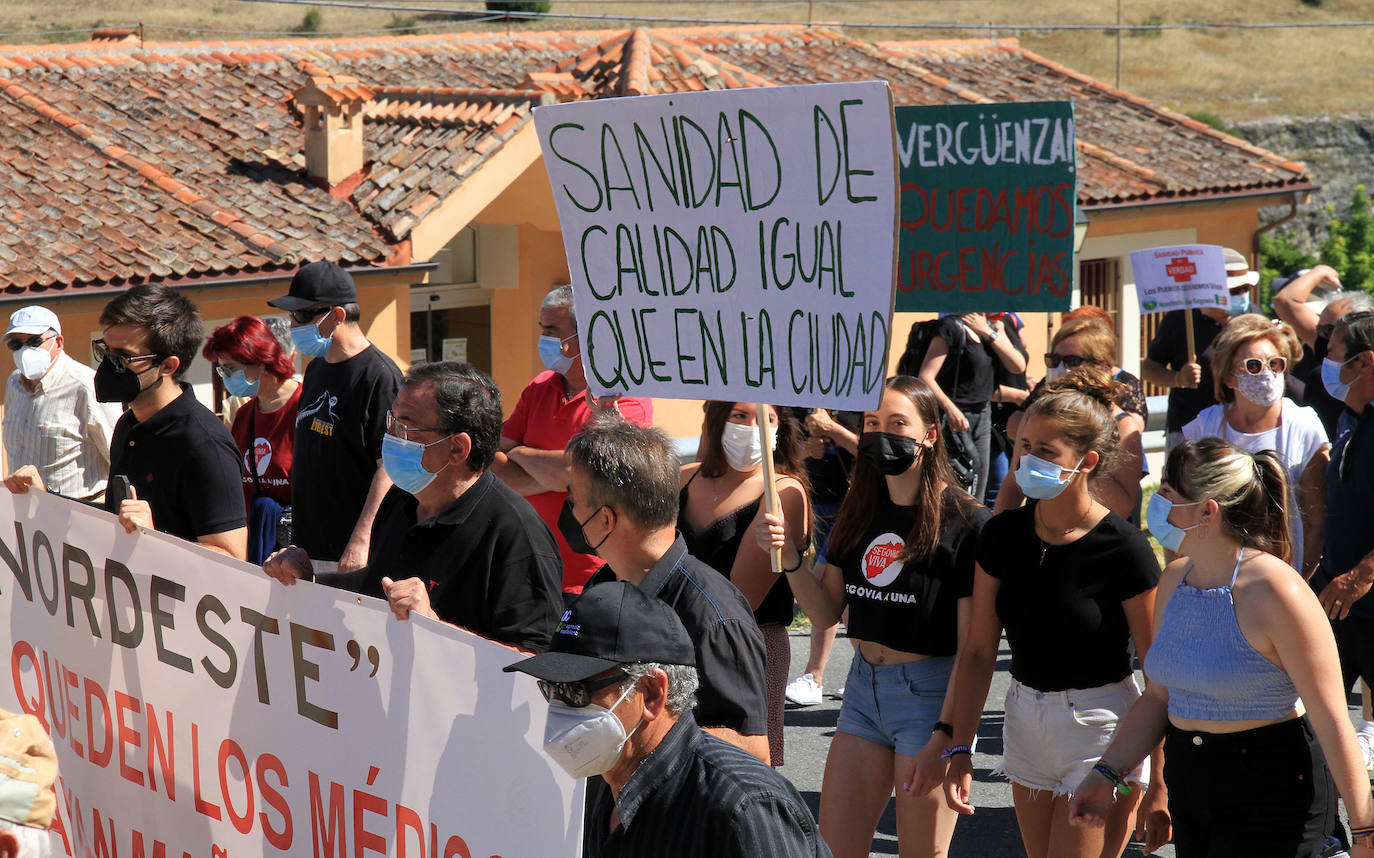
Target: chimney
{"x": 332, "y": 108}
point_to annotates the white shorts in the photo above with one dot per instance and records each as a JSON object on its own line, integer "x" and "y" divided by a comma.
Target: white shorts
{"x": 1052, "y": 739}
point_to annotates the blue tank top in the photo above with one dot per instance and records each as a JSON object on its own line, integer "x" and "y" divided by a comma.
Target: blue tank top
{"x": 1211, "y": 670}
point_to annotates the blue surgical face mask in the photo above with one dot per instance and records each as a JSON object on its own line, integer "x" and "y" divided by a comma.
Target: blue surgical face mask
{"x": 402, "y": 461}
{"x": 1040, "y": 479}
{"x": 1238, "y": 304}
{"x": 1157, "y": 520}
{"x": 1331, "y": 378}
{"x": 239, "y": 385}
{"x": 308, "y": 341}
{"x": 551, "y": 353}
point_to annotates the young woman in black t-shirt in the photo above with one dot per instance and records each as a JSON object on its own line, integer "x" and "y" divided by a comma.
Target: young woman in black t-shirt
{"x": 1073, "y": 585}
{"x": 900, "y": 558}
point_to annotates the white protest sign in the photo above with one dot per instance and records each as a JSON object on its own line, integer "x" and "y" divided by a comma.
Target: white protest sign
{"x": 202, "y": 709}
{"x": 1179, "y": 277}
{"x": 734, "y": 245}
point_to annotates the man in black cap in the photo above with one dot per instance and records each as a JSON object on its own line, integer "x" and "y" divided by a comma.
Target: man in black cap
{"x": 620, "y": 681}
{"x": 337, "y": 482}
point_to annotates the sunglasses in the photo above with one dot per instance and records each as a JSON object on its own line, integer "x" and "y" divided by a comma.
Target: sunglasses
{"x": 1325, "y": 331}
{"x": 308, "y": 315}
{"x": 1254, "y": 366}
{"x": 32, "y": 342}
{"x": 100, "y": 351}
{"x": 226, "y": 369}
{"x": 578, "y": 694}
{"x": 1071, "y": 362}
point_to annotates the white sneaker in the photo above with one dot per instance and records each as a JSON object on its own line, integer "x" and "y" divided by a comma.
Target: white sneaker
{"x": 803, "y": 691}
{"x": 1366, "y": 741}
{"x": 838, "y": 693}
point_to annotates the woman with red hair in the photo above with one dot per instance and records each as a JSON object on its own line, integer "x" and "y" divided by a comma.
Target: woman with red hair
{"x": 251, "y": 363}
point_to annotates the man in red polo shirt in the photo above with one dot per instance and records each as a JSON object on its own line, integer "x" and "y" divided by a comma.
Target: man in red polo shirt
{"x": 552, "y": 409}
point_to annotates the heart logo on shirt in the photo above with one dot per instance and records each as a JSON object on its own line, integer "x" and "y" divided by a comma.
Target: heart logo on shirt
{"x": 880, "y": 564}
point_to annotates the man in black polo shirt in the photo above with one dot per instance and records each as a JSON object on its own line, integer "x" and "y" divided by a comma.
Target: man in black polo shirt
{"x": 1343, "y": 579}
{"x": 623, "y": 508}
{"x": 180, "y": 460}
{"x": 451, "y": 541}
{"x": 619, "y": 680}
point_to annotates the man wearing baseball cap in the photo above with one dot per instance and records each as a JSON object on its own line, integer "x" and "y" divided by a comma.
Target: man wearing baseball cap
{"x": 57, "y": 436}
{"x": 337, "y": 482}
{"x": 620, "y": 678}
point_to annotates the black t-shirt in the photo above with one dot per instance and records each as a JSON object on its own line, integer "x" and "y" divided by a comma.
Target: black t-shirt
{"x": 966, "y": 376}
{"x": 183, "y": 462}
{"x": 910, "y": 606}
{"x": 488, "y": 560}
{"x": 729, "y": 645}
{"x": 1170, "y": 348}
{"x": 1349, "y": 498}
{"x": 339, "y": 431}
{"x": 1315, "y": 395}
{"x": 1064, "y": 620}
{"x": 829, "y": 475}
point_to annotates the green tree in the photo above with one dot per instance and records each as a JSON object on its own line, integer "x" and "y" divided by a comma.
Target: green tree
{"x": 1349, "y": 246}
{"x": 539, "y": 6}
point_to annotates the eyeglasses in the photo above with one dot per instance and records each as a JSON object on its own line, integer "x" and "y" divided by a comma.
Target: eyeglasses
{"x": 1071, "y": 362}
{"x": 308, "y": 315}
{"x": 395, "y": 427}
{"x": 578, "y": 694}
{"x": 1254, "y": 366}
{"x": 100, "y": 351}
{"x": 226, "y": 369}
{"x": 33, "y": 342}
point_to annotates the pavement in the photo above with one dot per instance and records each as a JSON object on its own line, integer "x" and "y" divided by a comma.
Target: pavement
{"x": 990, "y": 833}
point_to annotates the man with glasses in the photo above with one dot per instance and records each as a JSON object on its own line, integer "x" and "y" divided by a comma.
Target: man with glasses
{"x": 57, "y": 436}
{"x": 337, "y": 482}
{"x": 179, "y": 459}
{"x": 553, "y": 408}
{"x": 619, "y": 679}
{"x": 452, "y": 542}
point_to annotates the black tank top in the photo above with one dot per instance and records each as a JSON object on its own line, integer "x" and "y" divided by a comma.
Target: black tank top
{"x": 717, "y": 544}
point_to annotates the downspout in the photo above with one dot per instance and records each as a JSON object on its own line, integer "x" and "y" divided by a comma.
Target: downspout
{"x": 1255, "y": 242}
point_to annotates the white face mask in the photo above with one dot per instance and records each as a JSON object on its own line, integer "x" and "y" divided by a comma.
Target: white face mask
{"x": 33, "y": 362}
{"x": 1263, "y": 388}
{"x": 742, "y": 446}
{"x": 585, "y": 741}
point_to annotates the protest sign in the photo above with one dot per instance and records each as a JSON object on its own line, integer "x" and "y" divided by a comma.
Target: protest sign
{"x": 201, "y": 709}
{"x": 987, "y": 206}
{"x": 1180, "y": 277}
{"x": 733, "y": 245}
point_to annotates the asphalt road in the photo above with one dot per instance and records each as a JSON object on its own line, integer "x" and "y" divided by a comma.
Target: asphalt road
{"x": 989, "y": 833}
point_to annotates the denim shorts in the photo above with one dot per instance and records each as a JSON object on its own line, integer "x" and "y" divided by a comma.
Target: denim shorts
{"x": 1052, "y": 739}
{"x": 895, "y": 705}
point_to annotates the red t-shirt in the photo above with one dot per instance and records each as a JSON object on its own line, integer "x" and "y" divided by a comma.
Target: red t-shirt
{"x": 546, "y": 420}
{"x": 275, "y": 431}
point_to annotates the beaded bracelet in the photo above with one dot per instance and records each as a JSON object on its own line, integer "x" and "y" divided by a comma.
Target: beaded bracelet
{"x": 1122, "y": 787}
{"x": 955, "y": 750}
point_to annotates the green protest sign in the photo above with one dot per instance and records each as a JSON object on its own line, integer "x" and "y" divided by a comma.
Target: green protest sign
{"x": 734, "y": 245}
{"x": 987, "y": 207}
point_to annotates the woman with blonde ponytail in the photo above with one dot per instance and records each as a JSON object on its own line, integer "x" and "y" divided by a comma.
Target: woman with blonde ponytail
{"x": 1239, "y": 639}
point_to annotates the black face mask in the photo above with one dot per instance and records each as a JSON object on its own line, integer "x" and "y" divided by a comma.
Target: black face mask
{"x": 890, "y": 454}
{"x": 114, "y": 385}
{"x": 571, "y": 528}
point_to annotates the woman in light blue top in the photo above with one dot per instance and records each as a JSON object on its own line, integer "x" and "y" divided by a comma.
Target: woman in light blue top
{"x": 1239, "y": 638}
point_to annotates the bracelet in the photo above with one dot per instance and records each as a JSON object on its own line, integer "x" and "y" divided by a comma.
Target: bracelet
{"x": 943, "y": 727}
{"x": 801, "y": 558}
{"x": 1117, "y": 778}
{"x": 1361, "y": 832}
{"x": 955, "y": 750}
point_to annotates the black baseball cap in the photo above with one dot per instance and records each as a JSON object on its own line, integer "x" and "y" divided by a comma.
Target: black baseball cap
{"x": 319, "y": 284}
{"x": 609, "y": 625}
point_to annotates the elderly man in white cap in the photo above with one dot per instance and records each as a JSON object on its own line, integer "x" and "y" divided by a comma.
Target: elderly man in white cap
{"x": 57, "y": 436}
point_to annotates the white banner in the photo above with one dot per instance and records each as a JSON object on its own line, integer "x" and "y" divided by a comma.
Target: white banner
{"x": 734, "y": 244}
{"x": 197, "y": 704}
{"x": 1176, "y": 278}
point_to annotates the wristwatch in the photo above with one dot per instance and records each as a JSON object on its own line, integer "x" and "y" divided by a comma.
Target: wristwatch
{"x": 995, "y": 335}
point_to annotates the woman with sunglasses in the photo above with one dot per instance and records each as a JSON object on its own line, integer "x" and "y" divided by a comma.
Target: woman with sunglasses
{"x": 1072, "y": 583}
{"x": 1089, "y": 341}
{"x": 1250, "y": 358}
{"x": 1240, "y": 639}
{"x": 250, "y": 362}
{"x": 722, "y": 499}
{"x": 900, "y": 558}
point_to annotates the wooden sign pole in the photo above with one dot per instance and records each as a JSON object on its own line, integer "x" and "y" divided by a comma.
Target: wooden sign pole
{"x": 770, "y": 495}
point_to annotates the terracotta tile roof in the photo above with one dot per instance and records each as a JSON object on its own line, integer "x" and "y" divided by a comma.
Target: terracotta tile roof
{"x": 122, "y": 162}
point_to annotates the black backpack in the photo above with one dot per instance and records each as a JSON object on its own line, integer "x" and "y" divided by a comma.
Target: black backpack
{"x": 958, "y": 445}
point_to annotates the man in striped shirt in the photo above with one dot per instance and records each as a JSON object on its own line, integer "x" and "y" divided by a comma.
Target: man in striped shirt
{"x": 57, "y": 436}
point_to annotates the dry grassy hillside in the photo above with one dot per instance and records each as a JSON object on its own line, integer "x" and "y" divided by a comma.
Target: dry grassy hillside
{"x": 1231, "y": 73}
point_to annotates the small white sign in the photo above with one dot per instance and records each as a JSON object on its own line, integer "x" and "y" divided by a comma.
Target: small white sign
{"x": 456, "y": 348}
{"x": 1180, "y": 277}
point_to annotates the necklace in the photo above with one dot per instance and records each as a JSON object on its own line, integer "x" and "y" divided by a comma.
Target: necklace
{"x": 1040, "y": 519}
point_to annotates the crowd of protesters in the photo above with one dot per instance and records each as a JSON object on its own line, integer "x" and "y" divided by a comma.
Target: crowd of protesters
{"x": 575, "y": 512}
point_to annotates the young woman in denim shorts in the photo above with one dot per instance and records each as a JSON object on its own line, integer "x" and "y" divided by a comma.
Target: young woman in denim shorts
{"x": 900, "y": 557}
{"x": 1073, "y": 585}
{"x": 1239, "y": 638}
